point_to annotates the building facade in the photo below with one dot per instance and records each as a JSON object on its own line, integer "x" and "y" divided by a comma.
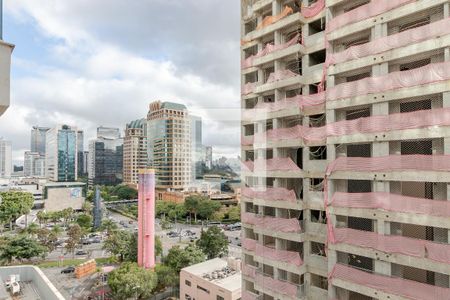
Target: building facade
{"x": 38, "y": 139}
{"x": 134, "y": 151}
{"x": 197, "y": 147}
{"x": 345, "y": 149}
{"x": 61, "y": 163}
{"x": 34, "y": 164}
{"x": 169, "y": 144}
{"x": 106, "y": 157}
{"x": 80, "y": 153}
{"x": 5, "y": 73}
{"x": 5, "y": 159}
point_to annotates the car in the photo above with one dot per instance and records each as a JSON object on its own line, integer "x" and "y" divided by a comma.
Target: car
{"x": 122, "y": 222}
{"x": 97, "y": 240}
{"x": 81, "y": 252}
{"x": 239, "y": 244}
{"x": 130, "y": 222}
{"x": 68, "y": 270}
{"x": 215, "y": 224}
{"x": 86, "y": 242}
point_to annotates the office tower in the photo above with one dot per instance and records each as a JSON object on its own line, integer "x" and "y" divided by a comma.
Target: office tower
{"x": 208, "y": 156}
{"x": 38, "y": 135}
{"x": 169, "y": 144}
{"x": 146, "y": 218}
{"x": 80, "y": 153}
{"x": 85, "y": 162}
{"x": 196, "y": 144}
{"x": 134, "y": 150}
{"x": 5, "y": 158}
{"x": 34, "y": 164}
{"x": 106, "y": 157}
{"x": 61, "y": 153}
{"x": 346, "y": 149}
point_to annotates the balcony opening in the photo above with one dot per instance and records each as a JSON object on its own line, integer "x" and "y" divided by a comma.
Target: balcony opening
{"x": 358, "y": 76}
{"x": 294, "y": 66}
{"x": 361, "y": 262}
{"x": 269, "y": 211}
{"x": 295, "y": 184}
{"x": 299, "y": 158}
{"x": 317, "y": 58}
{"x": 414, "y": 274}
{"x": 359, "y": 186}
{"x": 250, "y": 51}
{"x": 318, "y": 216}
{"x": 406, "y": 107}
{"x": 424, "y": 147}
{"x": 249, "y": 129}
{"x": 249, "y": 155}
{"x": 269, "y": 182}
{"x": 251, "y": 103}
{"x": 319, "y": 281}
{"x": 358, "y": 113}
{"x": 268, "y": 154}
{"x": 318, "y": 249}
{"x": 267, "y": 270}
{"x": 269, "y": 98}
{"x": 267, "y": 72}
{"x": 251, "y": 77}
{"x": 415, "y": 64}
{"x": 359, "y": 150}
{"x": 269, "y": 241}
{"x": 293, "y": 93}
{"x": 294, "y": 4}
{"x": 289, "y": 34}
{"x": 249, "y": 207}
{"x": 295, "y": 247}
{"x": 416, "y": 20}
{"x": 317, "y": 26}
{"x": 316, "y": 184}
{"x": 250, "y": 26}
{"x": 360, "y": 223}
{"x": 317, "y": 120}
{"x": 318, "y": 153}
{"x": 268, "y": 125}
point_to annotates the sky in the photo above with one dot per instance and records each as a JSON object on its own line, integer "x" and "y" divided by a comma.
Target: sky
{"x": 89, "y": 63}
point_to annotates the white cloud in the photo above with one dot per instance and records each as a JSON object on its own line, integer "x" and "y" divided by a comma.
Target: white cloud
{"x": 100, "y": 79}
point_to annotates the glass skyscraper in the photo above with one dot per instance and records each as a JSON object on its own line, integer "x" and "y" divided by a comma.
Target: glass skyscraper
{"x": 38, "y": 135}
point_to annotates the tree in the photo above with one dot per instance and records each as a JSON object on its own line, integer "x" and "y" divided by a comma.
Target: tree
{"x": 85, "y": 221}
{"x": 207, "y": 208}
{"x": 179, "y": 258}
{"x": 234, "y": 213}
{"x": 191, "y": 203}
{"x": 13, "y": 204}
{"x": 118, "y": 243}
{"x": 166, "y": 277}
{"x": 158, "y": 246}
{"x": 31, "y": 230}
{"x": 21, "y": 247}
{"x": 213, "y": 242}
{"x": 124, "y": 192}
{"x": 109, "y": 226}
{"x": 87, "y": 207}
{"x": 74, "y": 233}
{"x": 131, "y": 281}
{"x": 67, "y": 214}
{"x": 47, "y": 238}
{"x": 42, "y": 217}
{"x": 178, "y": 211}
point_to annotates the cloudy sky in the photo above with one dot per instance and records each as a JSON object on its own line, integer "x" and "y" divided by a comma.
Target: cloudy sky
{"x": 101, "y": 62}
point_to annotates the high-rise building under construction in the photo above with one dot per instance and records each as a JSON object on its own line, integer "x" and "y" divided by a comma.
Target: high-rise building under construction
{"x": 346, "y": 149}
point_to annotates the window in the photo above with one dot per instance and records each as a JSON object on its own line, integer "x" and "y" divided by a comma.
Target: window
{"x": 187, "y": 282}
{"x": 220, "y": 298}
{"x": 203, "y": 289}
{"x": 187, "y": 297}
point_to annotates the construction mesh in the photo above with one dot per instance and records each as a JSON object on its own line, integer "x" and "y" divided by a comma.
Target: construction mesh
{"x": 273, "y": 194}
{"x": 364, "y": 12}
{"x": 272, "y": 223}
{"x": 278, "y": 286}
{"x": 290, "y": 257}
{"x": 314, "y": 9}
{"x": 401, "y": 287}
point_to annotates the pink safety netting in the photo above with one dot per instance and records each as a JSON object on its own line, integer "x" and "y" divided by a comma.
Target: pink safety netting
{"x": 249, "y": 270}
{"x": 246, "y": 295}
{"x": 272, "y": 164}
{"x": 277, "y": 194}
{"x": 424, "y": 75}
{"x": 394, "y": 244}
{"x": 249, "y": 244}
{"x": 314, "y": 9}
{"x": 392, "y": 202}
{"x": 391, "y": 163}
{"x": 278, "y": 286}
{"x": 372, "y": 124}
{"x": 248, "y": 88}
{"x": 386, "y": 43}
{"x": 272, "y": 223}
{"x": 301, "y": 101}
{"x": 269, "y": 48}
{"x": 397, "y": 286}
{"x": 281, "y": 75}
{"x": 371, "y": 9}
{"x": 289, "y": 257}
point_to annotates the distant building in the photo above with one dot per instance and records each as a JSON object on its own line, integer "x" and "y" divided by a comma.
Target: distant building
{"x": 106, "y": 157}
{"x": 196, "y": 144}
{"x": 5, "y": 73}
{"x": 34, "y": 164}
{"x": 62, "y": 195}
{"x": 169, "y": 144}
{"x": 5, "y": 158}
{"x": 207, "y": 151}
{"x": 85, "y": 162}
{"x": 80, "y": 153}
{"x": 213, "y": 279}
{"x": 38, "y": 139}
{"x": 134, "y": 150}
{"x": 61, "y": 153}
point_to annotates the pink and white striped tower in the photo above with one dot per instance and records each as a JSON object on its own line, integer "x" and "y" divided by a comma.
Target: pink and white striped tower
{"x": 146, "y": 218}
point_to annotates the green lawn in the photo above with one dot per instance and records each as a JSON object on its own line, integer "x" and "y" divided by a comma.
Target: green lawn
{"x": 71, "y": 262}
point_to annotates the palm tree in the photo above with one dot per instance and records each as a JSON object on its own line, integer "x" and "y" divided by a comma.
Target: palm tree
{"x": 108, "y": 226}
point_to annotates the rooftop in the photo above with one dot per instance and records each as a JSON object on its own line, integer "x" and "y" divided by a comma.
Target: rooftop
{"x": 217, "y": 270}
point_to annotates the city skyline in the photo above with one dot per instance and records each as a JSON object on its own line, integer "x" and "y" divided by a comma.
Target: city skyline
{"x": 66, "y": 85}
